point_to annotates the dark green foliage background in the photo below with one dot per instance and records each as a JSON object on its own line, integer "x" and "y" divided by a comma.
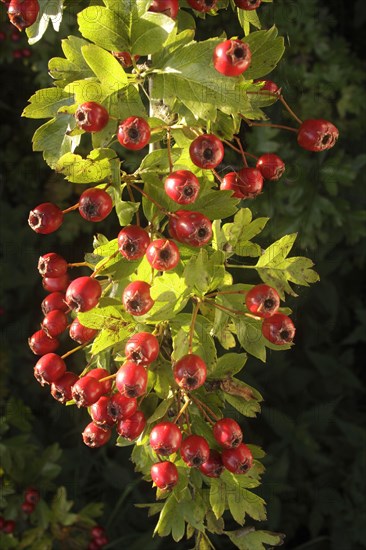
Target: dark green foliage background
{"x": 313, "y": 421}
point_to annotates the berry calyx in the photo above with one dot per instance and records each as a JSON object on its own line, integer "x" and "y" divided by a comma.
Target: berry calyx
{"x": 133, "y": 242}
{"x": 213, "y": 467}
{"x": 194, "y": 450}
{"x": 131, "y": 428}
{"x": 262, "y": 300}
{"x": 95, "y": 204}
{"x": 91, "y": 117}
{"x": 100, "y": 413}
{"x": 49, "y": 368}
{"x": 238, "y": 460}
{"x": 134, "y": 133}
{"x": 192, "y": 228}
{"x": 52, "y": 265}
{"x": 136, "y": 298}
{"x": 23, "y": 13}
{"x": 317, "y": 135}
{"x": 206, "y": 151}
{"x": 83, "y": 294}
{"x": 203, "y": 6}
{"x": 81, "y": 334}
{"x": 182, "y": 187}
{"x": 86, "y": 391}
{"x": 232, "y": 57}
{"x": 227, "y": 433}
{"x": 45, "y": 218}
{"x": 165, "y": 438}
{"x": 131, "y": 379}
{"x": 40, "y": 343}
{"x": 271, "y": 166}
{"x": 55, "y": 323}
{"x": 99, "y": 374}
{"x": 248, "y": 4}
{"x": 56, "y": 284}
{"x": 168, "y": 7}
{"x": 164, "y": 475}
{"x": 142, "y": 348}
{"x": 61, "y": 389}
{"x": 121, "y": 407}
{"x": 278, "y": 329}
{"x": 55, "y": 300}
{"x": 190, "y": 372}
{"x": 94, "y": 437}
{"x": 163, "y": 254}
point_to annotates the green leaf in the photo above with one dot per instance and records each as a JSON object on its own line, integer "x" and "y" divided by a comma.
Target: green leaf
{"x": 74, "y": 67}
{"x": 45, "y": 103}
{"x": 242, "y": 230}
{"x": 170, "y": 294}
{"x": 105, "y": 28}
{"x": 247, "y": 18}
{"x": 161, "y": 410}
{"x": 52, "y": 138}
{"x": 216, "y": 205}
{"x": 60, "y": 508}
{"x": 205, "y": 271}
{"x": 157, "y": 161}
{"x": 95, "y": 168}
{"x": 202, "y": 344}
{"x": 105, "y": 67}
{"x": 103, "y": 317}
{"x": 229, "y": 364}
{"x": 218, "y": 497}
{"x": 267, "y": 49}
{"x": 250, "y": 539}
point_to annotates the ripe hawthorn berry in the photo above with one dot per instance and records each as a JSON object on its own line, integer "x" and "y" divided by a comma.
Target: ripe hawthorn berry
{"x": 121, "y": 407}
{"x": 271, "y": 166}
{"x": 81, "y": 334}
{"x": 136, "y": 298}
{"x": 61, "y": 389}
{"x": 317, "y": 135}
{"x": 55, "y": 323}
{"x": 49, "y": 368}
{"x": 213, "y": 467}
{"x": 232, "y": 57}
{"x": 248, "y": 4}
{"x": 190, "y": 372}
{"x": 40, "y": 343}
{"x": 262, "y": 300}
{"x": 97, "y": 531}
{"x": 132, "y": 427}
{"x": 182, "y": 186}
{"x": 203, "y": 6}
{"x": 52, "y": 265}
{"x": 45, "y": 218}
{"x": 168, "y": 7}
{"x": 238, "y": 460}
{"x": 163, "y": 254}
{"x": 131, "y": 379}
{"x": 227, "y": 433}
{"x": 9, "y": 527}
{"x": 91, "y": 116}
{"x": 94, "y": 437}
{"x": 194, "y": 450}
{"x": 165, "y": 438}
{"x": 268, "y": 85}
{"x": 99, "y": 374}
{"x": 142, "y": 348}
{"x": 278, "y": 329}
{"x": 125, "y": 58}
{"x": 55, "y": 300}
{"x": 32, "y": 495}
{"x": 95, "y": 204}
{"x": 191, "y": 228}
{"x": 23, "y": 13}
{"x": 87, "y": 391}
{"x": 83, "y": 294}
{"x": 133, "y": 242}
{"x": 164, "y": 475}
{"x": 250, "y": 181}
{"x": 56, "y": 284}
{"x": 231, "y": 182}
{"x": 100, "y": 413}
{"x": 206, "y": 151}
{"x": 134, "y": 133}
{"x": 27, "y": 507}
{"x": 101, "y": 541}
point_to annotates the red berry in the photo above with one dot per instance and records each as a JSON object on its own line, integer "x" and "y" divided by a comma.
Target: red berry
{"x": 15, "y": 36}
{"x": 134, "y": 133}
{"x": 132, "y": 427}
{"x": 278, "y": 329}
{"x": 23, "y": 13}
{"x": 93, "y": 436}
{"x": 52, "y": 265}
{"x": 83, "y": 294}
{"x": 41, "y": 344}
{"x": 2, "y": 38}
{"x": 317, "y": 135}
{"x": 248, "y": 4}
{"x": 190, "y": 372}
{"x": 55, "y": 323}
{"x": 232, "y": 57}
{"x": 206, "y": 151}
{"x": 262, "y": 300}
{"x": 17, "y": 54}
{"x": 231, "y": 182}
{"x": 142, "y": 348}
{"x": 49, "y": 368}
{"x": 100, "y": 413}
{"x": 165, "y": 438}
{"x": 227, "y": 433}
{"x": 97, "y": 531}
{"x": 86, "y": 391}
{"x": 182, "y": 186}
{"x": 28, "y": 507}
{"x": 95, "y": 204}
{"x": 192, "y": 228}
{"x": 203, "y": 6}
{"x": 31, "y": 495}
{"x": 26, "y": 52}
{"x": 164, "y": 475}
{"x": 271, "y": 166}
{"x": 81, "y": 334}
{"x": 91, "y": 117}
{"x": 99, "y": 374}
{"x": 163, "y": 254}
{"x": 136, "y": 298}
{"x": 56, "y": 284}
{"x": 55, "y": 300}
{"x": 101, "y": 541}
{"x": 8, "y": 527}
{"x": 133, "y": 242}
{"x": 131, "y": 379}
{"x": 168, "y": 7}
{"x": 213, "y": 467}
{"x": 238, "y": 460}
{"x": 195, "y": 450}
{"x": 268, "y": 85}
{"x": 125, "y": 58}
{"x": 121, "y": 407}
{"x": 61, "y": 389}
{"x": 45, "y": 218}
{"x": 250, "y": 182}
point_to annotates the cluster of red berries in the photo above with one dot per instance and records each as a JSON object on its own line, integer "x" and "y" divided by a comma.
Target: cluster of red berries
{"x": 15, "y": 41}
{"x": 31, "y": 499}
{"x": 7, "y": 526}
{"x": 99, "y": 538}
